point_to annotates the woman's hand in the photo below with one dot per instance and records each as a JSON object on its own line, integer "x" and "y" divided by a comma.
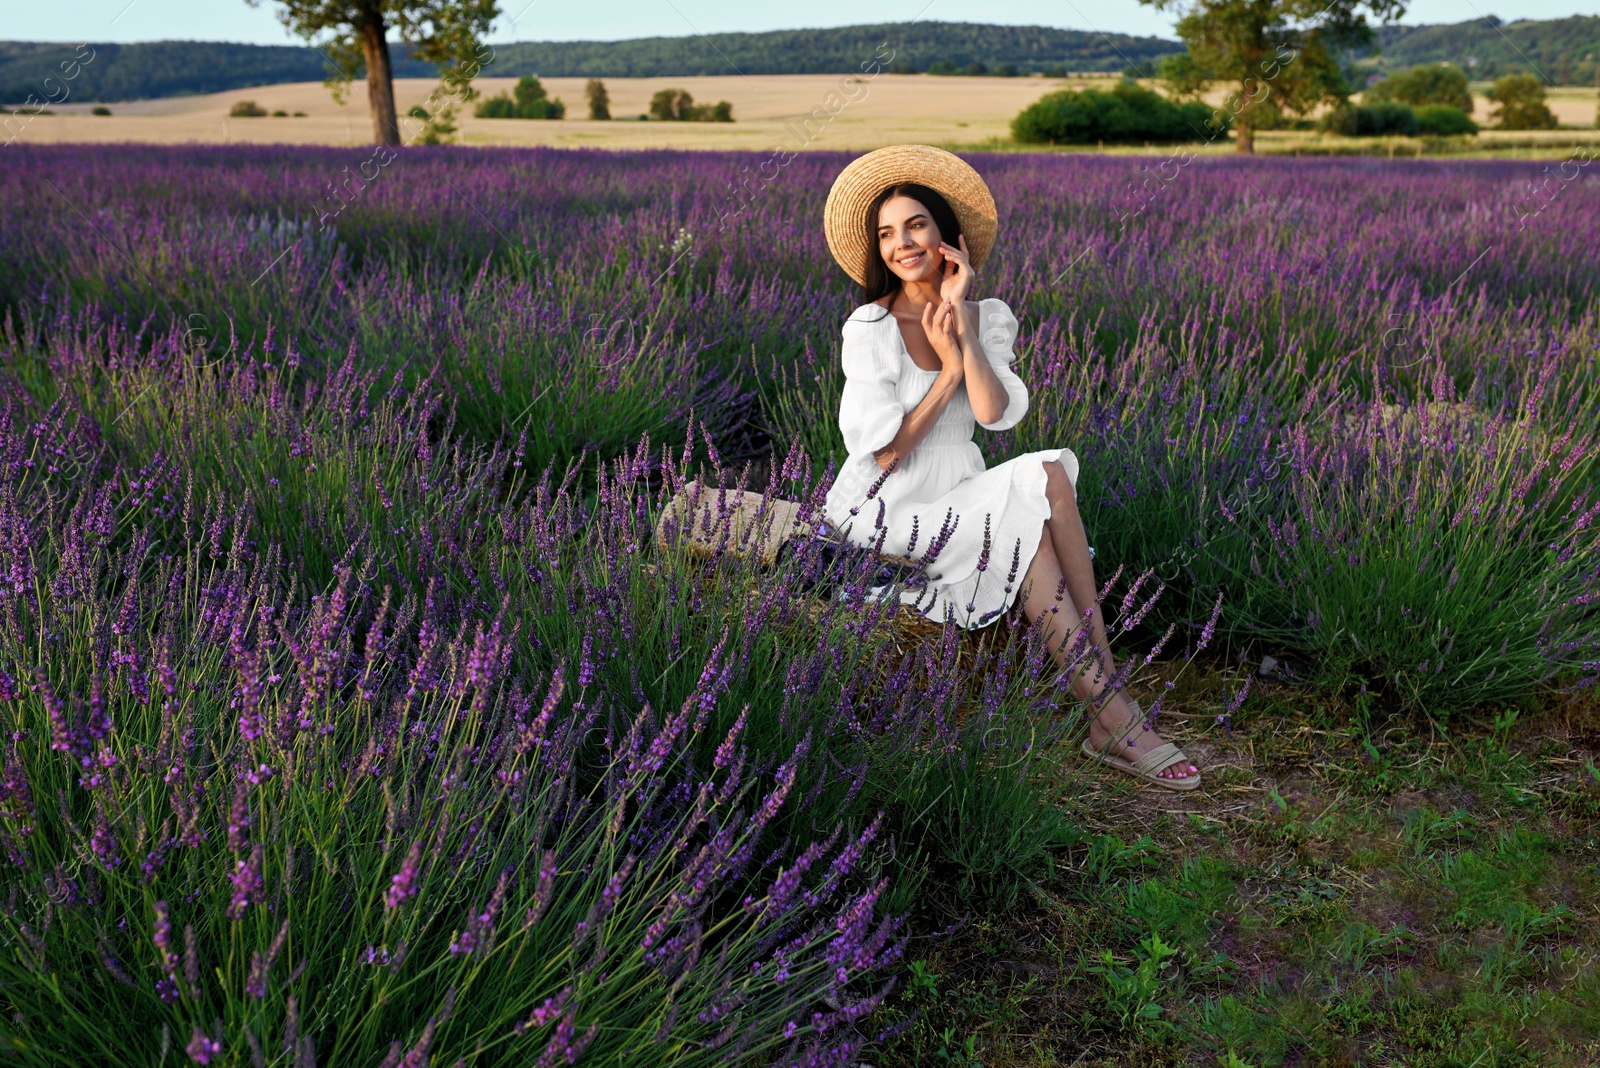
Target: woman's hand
{"x": 957, "y": 280}
{"x": 939, "y": 323}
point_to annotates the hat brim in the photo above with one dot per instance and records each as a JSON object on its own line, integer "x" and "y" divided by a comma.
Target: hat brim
{"x": 844, "y": 216}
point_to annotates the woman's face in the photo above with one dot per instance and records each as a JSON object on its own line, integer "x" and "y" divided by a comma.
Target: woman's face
{"x": 908, "y": 240}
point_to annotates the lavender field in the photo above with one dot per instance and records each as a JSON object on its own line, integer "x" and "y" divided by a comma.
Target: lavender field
{"x": 354, "y": 716}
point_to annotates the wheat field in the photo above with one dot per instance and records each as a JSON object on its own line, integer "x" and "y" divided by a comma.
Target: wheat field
{"x": 792, "y": 111}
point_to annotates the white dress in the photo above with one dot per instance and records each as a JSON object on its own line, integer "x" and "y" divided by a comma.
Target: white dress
{"x": 989, "y": 520}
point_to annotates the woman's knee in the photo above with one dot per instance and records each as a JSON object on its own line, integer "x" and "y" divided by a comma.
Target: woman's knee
{"x": 1057, "y": 486}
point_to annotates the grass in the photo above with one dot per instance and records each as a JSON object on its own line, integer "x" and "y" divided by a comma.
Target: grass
{"x": 1349, "y": 889}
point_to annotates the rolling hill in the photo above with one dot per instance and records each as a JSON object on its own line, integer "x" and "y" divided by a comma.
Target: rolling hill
{"x": 176, "y": 68}
{"x": 1562, "y": 50}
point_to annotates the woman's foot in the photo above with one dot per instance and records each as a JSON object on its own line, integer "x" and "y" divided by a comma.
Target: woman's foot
{"x": 1114, "y": 722}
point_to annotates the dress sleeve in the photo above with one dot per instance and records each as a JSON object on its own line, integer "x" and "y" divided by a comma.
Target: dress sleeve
{"x": 997, "y": 334}
{"x": 870, "y": 411}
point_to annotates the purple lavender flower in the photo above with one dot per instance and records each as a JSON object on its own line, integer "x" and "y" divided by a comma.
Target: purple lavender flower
{"x": 403, "y": 886}
{"x": 544, "y": 889}
{"x": 202, "y": 1047}
{"x": 248, "y": 884}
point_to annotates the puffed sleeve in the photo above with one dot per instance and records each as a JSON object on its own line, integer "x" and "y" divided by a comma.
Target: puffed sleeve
{"x": 997, "y": 334}
{"x": 870, "y": 411}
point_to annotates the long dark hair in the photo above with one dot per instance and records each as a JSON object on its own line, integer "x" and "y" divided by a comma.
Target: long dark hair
{"x": 880, "y": 281}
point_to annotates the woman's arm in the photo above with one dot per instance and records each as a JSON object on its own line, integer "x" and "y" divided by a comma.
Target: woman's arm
{"x": 985, "y": 392}
{"x": 917, "y": 422}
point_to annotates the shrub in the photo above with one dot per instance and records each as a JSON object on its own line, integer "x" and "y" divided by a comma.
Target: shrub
{"x": 943, "y": 66}
{"x": 529, "y": 101}
{"x": 1371, "y": 120}
{"x": 676, "y": 105}
{"x": 330, "y": 822}
{"x": 280, "y": 114}
{"x": 246, "y": 109}
{"x": 1520, "y": 103}
{"x": 599, "y": 100}
{"x": 99, "y": 109}
{"x": 671, "y": 105}
{"x": 976, "y": 68}
{"x": 1127, "y": 114}
{"x": 440, "y": 125}
{"x": 1444, "y": 121}
{"x": 1436, "y": 552}
{"x": 1439, "y": 84}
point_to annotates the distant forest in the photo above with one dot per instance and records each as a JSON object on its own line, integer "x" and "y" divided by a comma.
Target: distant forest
{"x": 1565, "y": 51}
{"x": 176, "y": 68}
{"x": 1029, "y": 49}
{"x": 166, "y": 68}
{"x": 1562, "y": 50}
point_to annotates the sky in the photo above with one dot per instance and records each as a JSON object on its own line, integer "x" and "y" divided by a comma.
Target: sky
{"x": 562, "y": 20}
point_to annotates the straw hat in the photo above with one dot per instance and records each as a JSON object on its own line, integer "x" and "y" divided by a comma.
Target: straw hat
{"x": 844, "y": 217}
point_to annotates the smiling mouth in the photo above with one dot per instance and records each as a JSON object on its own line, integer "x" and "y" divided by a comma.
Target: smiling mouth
{"x": 907, "y": 261}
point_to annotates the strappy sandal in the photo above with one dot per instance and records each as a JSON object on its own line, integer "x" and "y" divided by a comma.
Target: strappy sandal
{"x": 1150, "y": 763}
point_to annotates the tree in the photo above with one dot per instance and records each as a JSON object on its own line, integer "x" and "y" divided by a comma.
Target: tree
{"x": 444, "y": 32}
{"x": 599, "y": 99}
{"x": 1520, "y": 103}
{"x": 530, "y": 102}
{"x": 1433, "y": 83}
{"x": 676, "y": 105}
{"x": 671, "y": 105}
{"x": 1275, "y": 56}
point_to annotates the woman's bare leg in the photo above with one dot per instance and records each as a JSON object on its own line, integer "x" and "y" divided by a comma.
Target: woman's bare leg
{"x": 1048, "y": 573}
{"x": 1068, "y": 537}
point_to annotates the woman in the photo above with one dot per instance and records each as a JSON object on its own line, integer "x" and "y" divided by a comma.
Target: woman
{"x": 922, "y": 364}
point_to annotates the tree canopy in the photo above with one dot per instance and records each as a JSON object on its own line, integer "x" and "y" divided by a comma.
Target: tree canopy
{"x": 1519, "y": 103}
{"x": 1277, "y": 56}
{"x": 1434, "y": 83}
{"x": 354, "y": 34}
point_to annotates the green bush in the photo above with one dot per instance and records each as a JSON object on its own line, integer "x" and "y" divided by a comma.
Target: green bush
{"x": 99, "y": 109}
{"x": 1520, "y": 104}
{"x": 1433, "y": 84}
{"x": 1127, "y": 114}
{"x": 1371, "y": 120}
{"x": 246, "y": 109}
{"x": 530, "y": 102}
{"x": 676, "y": 105}
{"x": 1444, "y": 121}
{"x": 943, "y": 66}
{"x": 599, "y": 100}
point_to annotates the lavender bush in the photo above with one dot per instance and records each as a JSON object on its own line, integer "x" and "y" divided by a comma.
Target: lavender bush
{"x": 294, "y": 828}
{"x": 350, "y": 701}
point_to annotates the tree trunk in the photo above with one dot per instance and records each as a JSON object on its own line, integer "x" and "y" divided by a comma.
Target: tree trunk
{"x": 1245, "y": 136}
{"x": 380, "y": 76}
